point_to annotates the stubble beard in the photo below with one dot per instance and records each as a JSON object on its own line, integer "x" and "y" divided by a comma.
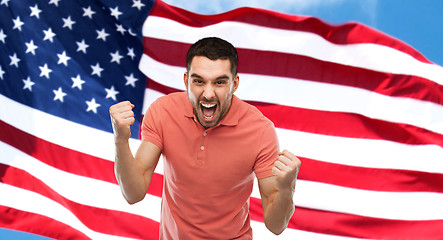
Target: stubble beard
{"x": 223, "y": 109}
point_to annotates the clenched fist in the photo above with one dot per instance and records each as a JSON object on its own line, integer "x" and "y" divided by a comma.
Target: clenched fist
{"x": 122, "y": 118}
{"x": 286, "y": 170}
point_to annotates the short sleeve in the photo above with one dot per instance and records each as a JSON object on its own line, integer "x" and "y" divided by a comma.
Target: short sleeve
{"x": 267, "y": 152}
{"x": 151, "y": 125}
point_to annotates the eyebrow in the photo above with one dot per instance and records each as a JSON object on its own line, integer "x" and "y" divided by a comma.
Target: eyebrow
{"x": 195, "y": 75}
{"x": 222, "y": 77}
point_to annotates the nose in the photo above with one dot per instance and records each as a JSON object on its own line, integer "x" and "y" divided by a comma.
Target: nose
{"x": 209, "y": 92}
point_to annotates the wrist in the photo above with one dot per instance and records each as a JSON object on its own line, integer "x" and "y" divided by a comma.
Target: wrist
{"x": 121, "y": 141}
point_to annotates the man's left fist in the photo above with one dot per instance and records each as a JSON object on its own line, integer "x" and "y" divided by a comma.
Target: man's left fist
{"x": 286, "y": 170}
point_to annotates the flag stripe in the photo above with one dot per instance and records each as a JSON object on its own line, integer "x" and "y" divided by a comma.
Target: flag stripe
{"x": 307, "y": 68}
{"x": 315, "y": 220}
{"x": 50, "y": 153}
{"x": 94, "y": 193}
{"x": 317, "y": 96}
{"x": 244, "y": 36}
{"x": 36, "y": 223}
{"x": 370, "y": 178}
{"x": 365, "y": 227}
{"x": 359, "y": 152}
{"x": 350, "y": 33}
{"x": 44, "y": 206}
{"x": 337, "y": 124}
{"x": 49, "y": 128}
{"x": 97, "y": 219}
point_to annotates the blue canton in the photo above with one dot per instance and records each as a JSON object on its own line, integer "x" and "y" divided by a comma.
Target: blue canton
{"x": 73, "y": 58}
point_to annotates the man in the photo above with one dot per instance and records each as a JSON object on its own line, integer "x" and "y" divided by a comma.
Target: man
{"x": 213, "y": 144}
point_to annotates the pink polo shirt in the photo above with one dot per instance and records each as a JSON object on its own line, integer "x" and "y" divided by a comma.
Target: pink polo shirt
{"x": 209, "y": 174}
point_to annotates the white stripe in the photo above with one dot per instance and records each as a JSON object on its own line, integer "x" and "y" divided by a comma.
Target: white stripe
{"x": 35, "y": 203}
{"x": 354, "y": 151}
{"x": 363, "y": 152}
{"x": 19, "y": 199}
{"x": 260, "y": 231}
{"x": 314, "y": 95}
{"x": 48, "y": 127}
{"x": 82, "y": 190}
{"x": 248, "y": 36}
{"x": 412, "y": 206}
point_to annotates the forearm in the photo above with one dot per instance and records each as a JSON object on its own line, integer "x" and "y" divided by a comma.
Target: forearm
{"x": 128, "y": 173}
{"x": 278, "y": 212}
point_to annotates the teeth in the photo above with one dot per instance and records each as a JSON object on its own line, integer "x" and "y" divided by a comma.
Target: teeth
{"x": 207, "y": 105}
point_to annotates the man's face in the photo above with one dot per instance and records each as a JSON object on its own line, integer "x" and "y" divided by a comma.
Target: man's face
{"x": 210, "y": 86}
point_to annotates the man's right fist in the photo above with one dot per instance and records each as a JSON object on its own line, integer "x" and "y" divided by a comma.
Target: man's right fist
{"x": 122, "y": 118}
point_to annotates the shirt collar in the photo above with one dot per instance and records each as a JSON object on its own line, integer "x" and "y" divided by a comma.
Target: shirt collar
{"x": 231, "y": 119}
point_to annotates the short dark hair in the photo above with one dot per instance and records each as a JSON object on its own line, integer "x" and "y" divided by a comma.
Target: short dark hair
{"x": 213, "y": 48}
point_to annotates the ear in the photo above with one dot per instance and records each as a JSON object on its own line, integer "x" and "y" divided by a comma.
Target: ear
{"x": 236, "y": 82}
{"x": 185, "y": 79}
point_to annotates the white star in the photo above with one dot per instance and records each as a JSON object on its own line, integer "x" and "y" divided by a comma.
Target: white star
{"x": 88, "y": 12}
{"x": 59, "y": 94}
{"x": 96, "y": 70}
{"x": 92, "y": 105}
{"x": 35, "y": 11}
{"x": 115, "y": 12}
{"x": 62, "y": 58}
{"x": 120, "y": 28}
{"x": 49, "y": 34}
{"x": 102, "y": 34}
{"x": 82, "y": 46}
{"x": 28, "y": 84}
{"x": 31, "y": 47}
{"x": 116, "y": 57}
{"x": 77, "y": 82}
{"x": 55, "y": 2}
{"x": 111, "y": 93}
{"x": 5, "y": 2}
{"x": 14, "y": 60}
{"x": 67, "y": 22}
{"x": 131, "y": 53}
{"x": 130, "y": 80}
{"x": 17, "y": 23}
{"x": 138, "y": 4}
{"x": 45, "y": 71}
{"x": 2, "y": 36}
{"x": 1, "y": 72}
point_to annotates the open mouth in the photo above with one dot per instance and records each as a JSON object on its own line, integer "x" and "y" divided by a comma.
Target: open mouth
{"x": 208, "y": 110}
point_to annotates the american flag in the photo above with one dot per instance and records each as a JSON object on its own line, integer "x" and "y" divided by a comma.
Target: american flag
{"x": 362, "y": 110}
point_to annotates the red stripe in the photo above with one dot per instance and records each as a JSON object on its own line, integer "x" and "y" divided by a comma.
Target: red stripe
{"x": 337, "y": 124}
{"x": 389, "y": 180}
{"x": 51, "y": 154}
{"x": 15, "y": 219}
{"x": 307, "y": 68}
{"x": 343, "y": 34}
{"x": 342, "y": 224}
{"x": 97, "y": 219}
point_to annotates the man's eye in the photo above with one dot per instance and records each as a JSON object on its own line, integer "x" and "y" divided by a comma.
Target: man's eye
{"x": 219, "y": 82}
{"x": 198, "y": 81}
